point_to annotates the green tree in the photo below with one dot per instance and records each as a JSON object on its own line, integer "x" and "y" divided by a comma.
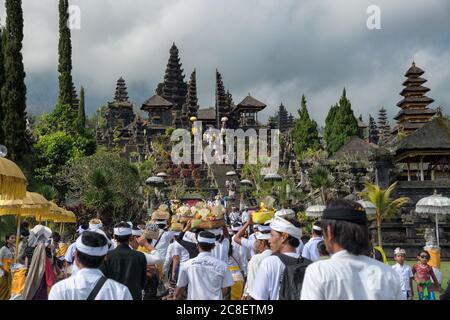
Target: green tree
{"x": 106, "y": 184}
{"x": 65, "y": 56}
{"x": 81, "y": 119}
{"x": 55, "y": 150}
{"x": 373, "y": 130}
{"x": 386, "y": 206}
{"x": 14, "y": 89}
{"x": 343, "y": 127}
{"x": 320, "y": 178}
{"x": 330, "y": 123}
{"x": 2, "y": 80}
{"x": 305, "y": 132}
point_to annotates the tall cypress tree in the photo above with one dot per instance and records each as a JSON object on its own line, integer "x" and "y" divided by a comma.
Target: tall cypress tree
{"x": 14, "y": 90}
{"x": 65, "y": 56}
{"x": 329, "y": 123}
{"x": 304, "y": 133}
{"x": 344, "y": 125}
{"x": 2, "y": 80}
{"x": 373, "y": 130}
{"x": 81, "y": 119}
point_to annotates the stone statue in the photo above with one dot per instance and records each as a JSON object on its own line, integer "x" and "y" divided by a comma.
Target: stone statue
{"x": 430, "y": 238}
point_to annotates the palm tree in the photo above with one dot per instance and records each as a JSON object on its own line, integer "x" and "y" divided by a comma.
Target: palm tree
{"x": 320, "y": 178}
{"x": 386, "y": 206}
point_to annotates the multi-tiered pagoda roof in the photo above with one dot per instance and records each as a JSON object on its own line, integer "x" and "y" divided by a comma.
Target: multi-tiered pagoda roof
{"x": 415, "y": 112}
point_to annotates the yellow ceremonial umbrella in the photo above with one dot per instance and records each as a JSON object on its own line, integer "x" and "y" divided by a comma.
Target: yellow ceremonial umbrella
{"x": 13, "y": 184}
{"x": 32, "y": 205}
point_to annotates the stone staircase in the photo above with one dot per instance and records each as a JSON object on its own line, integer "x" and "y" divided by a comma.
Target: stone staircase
{"x": 219, "y": 174}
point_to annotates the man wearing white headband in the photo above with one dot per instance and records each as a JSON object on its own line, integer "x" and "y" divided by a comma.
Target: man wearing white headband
{"x": 269, "y": 282}
{"x": 206, "y": 277}
{"x": 262, "y": 251}
{"x": 95, "y": 224}
{"x": 89, "y": 283}
{"x": 69, "y": 258}
{"x": 125, "y": 265}
{"x": 247, "y": 243}
{"x": 222, "y": 246}
{"x": 310, "y": 251}
{"x": 165, "y": 238}
{"x": 240, "y": 253}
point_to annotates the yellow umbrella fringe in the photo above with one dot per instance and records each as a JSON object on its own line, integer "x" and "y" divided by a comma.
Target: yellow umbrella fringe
{"x": 12, "y": 188}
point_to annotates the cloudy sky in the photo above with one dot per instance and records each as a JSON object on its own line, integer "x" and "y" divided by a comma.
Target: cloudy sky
{"x": 275, "y": 49}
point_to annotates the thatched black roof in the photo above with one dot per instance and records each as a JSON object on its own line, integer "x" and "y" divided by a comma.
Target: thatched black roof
{"x": 250, "y": 103}
{"x": 425, "y": 111}
{"x": 433, "y": 135}
{"x": 206, "y": 114}
{"x": 355, "y": 147}
{"x": 156, "y": 102}
{"x": 418, "y": 100}
{"x": 414, "y": 71}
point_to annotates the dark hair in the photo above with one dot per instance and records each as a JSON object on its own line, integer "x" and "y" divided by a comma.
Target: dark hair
{"x": 424, "y": 251}
{"x": 350, "y": 236}
{"x": 322, "y": 249}
{"x": 293, "y": 242}
{"x": 206, "y": 246}
{"x": 91, "y": 262}
{"x": 24, "y": 225}
{"x": 317, "y": 232}
{"x": 56, "y": 237}
{"x": 92, "y": 239}
{"x": 7, "y": 238}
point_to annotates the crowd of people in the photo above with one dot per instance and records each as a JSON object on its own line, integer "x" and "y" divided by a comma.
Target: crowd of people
{"x": 241, "y": 261}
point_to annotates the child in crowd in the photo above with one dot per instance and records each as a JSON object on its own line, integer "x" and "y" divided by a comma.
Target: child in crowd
{"x": 423, "y": 274}
{"x": 405, "y": 273}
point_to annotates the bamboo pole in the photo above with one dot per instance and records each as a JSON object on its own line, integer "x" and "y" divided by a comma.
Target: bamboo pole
{"x": 16, "y": 253}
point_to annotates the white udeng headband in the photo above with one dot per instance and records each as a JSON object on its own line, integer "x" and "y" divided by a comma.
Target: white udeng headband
{"x": 282, "y": 225}
{"x": 122, "y": 231}
{"x": 137, "y": 233}
{"x": 90, "y": 251}
{"x": 206, "y": 240}
{"x": 97, "y": 226}
{"x": 317, "y": 228}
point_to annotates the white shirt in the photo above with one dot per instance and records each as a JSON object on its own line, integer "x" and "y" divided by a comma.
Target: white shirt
{"x": 206, "y": 276}
{"x": 245, "y": 216}
{"x": 405, "y": 274}
{"x": 153, "y": 257}
{"x": 348, "y": 277}
{"x": 175, "y": 249}
{"x": 235, "y": 216}
{"x": 181, "y": 251}
{"x": 169, "y": 257}
{"x": 310, "y": 251}
{"x": 164, "y": 241}
{"x": 70, "y": 257}
{"x": 241, "y": 255}
{"x": 221, "y": 249}
{"x": 79, "y": 286}
{"x": 268, "y": 278}
{"x": 249, "y": 244}
{"x": 6, "y": 253}
{"x": 253, "y": 267}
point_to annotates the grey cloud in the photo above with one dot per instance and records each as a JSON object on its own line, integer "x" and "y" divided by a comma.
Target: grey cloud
{"x": 277, "y": 50}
